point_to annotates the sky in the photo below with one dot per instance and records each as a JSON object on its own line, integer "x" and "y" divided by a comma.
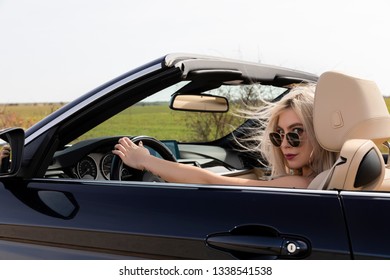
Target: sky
{"x": 56, "y": 50}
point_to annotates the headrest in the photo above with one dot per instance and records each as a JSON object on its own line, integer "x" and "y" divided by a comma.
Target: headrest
{"x": 345, "y": 108}
{"x": 361, "y": 167}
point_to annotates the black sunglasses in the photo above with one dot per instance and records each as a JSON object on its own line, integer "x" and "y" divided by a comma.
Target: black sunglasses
{"x": 292, "y": 139}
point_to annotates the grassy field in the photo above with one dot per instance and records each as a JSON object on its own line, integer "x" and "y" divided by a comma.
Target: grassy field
{"x": 25, "y": 115}
{"x": 153, "y": 120}
{"x": 387, "y": 100}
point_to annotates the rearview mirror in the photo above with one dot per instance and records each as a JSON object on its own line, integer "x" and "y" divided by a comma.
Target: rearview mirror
{"x": 11, "y": 149}
{"x": 199, "y": 103}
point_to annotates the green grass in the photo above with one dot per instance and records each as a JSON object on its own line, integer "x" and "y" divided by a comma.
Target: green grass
{"x": 24, "y": 115}
{"x": 387, "y": 101}
{"x": 155, "y": 120}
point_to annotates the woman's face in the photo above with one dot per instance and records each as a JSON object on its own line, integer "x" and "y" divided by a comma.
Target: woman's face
{"x": 295, "y": 157}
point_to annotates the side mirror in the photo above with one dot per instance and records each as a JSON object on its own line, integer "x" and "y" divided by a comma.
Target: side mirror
{"x": 11, "y": 150}
{"x": 199, "y": 103}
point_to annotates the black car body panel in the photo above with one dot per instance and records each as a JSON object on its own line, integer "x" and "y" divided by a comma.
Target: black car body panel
{"x": 142, "y": 221}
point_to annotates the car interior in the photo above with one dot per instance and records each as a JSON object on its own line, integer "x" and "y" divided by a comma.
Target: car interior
{"x": 350, "y": 117}
{"x": 91, "y": 158}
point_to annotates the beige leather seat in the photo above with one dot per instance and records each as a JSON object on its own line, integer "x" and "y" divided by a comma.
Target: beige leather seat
{"x": 351, "y": 117}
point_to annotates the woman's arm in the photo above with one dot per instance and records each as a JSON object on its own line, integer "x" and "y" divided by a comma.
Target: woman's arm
{"x": 138, "y": 157}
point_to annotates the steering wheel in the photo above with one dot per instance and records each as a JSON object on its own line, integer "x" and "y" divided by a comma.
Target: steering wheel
{"x": 140, "y": 175}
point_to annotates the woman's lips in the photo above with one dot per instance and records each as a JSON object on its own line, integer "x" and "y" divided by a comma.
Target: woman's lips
{"x": 290, "y": 156}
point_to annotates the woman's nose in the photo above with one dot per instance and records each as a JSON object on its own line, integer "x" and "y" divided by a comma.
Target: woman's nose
{"x": 285, "y": 142}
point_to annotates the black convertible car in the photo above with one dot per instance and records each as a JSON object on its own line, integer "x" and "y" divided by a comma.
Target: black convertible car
{"x": 63, "y": 195}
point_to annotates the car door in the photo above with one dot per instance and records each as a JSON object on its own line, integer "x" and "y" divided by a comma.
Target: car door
{"x": 60, "y": 219}
{"x": 367, "y": 215}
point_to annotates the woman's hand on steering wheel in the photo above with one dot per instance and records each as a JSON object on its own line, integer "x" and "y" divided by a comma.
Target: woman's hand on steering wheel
{"x": 130, "y": 153}
{"x": 133, "y": 152}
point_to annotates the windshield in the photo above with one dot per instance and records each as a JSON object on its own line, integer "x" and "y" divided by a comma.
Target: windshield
{"x": 153, "y": 117}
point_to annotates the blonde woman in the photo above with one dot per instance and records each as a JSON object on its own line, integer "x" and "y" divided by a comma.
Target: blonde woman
{"x": 287, "y": 143}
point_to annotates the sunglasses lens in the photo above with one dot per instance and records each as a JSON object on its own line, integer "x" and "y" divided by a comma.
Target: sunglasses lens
{"x": 275, "y": 138}
{"x": 293, "y": 139}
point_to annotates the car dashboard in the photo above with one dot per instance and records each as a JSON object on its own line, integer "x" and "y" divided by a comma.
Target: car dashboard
{"x": 91, "y": 159}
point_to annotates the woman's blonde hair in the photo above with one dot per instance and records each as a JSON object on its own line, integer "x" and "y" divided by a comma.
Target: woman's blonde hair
{"x": 301, "y": 100}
